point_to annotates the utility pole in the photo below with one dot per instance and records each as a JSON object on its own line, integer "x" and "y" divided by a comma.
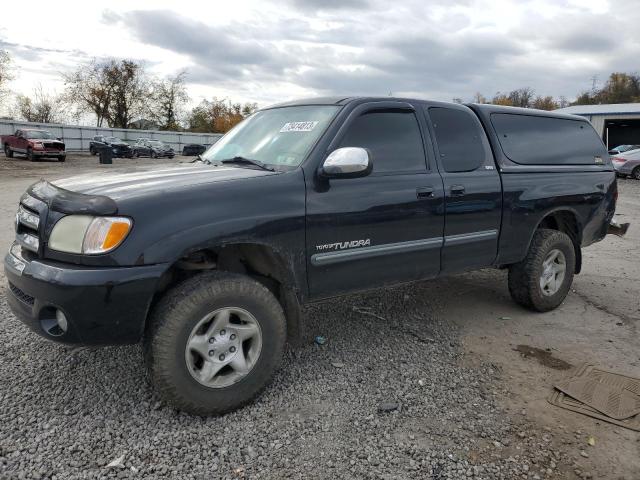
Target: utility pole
{"x": 594, "y": 84}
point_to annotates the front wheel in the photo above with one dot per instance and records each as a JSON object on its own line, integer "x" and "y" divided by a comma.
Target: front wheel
{"x": 30, "y": 156}
{"x": 542, "y": 280}
{"x": 636, "y": 173}
{"x": 63, "y": 158}
{"x": 214, "y": 342}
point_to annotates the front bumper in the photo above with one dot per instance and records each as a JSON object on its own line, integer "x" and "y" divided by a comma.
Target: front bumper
{"x": 103, "y": 306}
{"x": 622, "y": 168}
{"x": 48, "y": 153}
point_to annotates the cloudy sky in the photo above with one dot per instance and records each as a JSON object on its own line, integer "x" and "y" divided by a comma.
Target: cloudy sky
{"x": 265, "y": 52}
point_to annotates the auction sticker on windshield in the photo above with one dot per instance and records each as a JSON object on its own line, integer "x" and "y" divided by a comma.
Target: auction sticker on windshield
{"x": 298, "y": 127}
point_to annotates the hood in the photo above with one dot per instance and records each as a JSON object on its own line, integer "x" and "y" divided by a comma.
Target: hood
{"x": 45, "y": 140}
{"x": 152, "y": 180}
{"x": 119, "y": 144}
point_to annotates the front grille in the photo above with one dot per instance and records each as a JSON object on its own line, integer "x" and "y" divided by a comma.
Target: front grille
{"x": 52, "y": 146}
{"x": 28, "y": 222}
{"x": 20, "y": 295}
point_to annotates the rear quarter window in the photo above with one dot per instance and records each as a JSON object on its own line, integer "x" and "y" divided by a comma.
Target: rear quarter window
{"x": 540, "y": 140}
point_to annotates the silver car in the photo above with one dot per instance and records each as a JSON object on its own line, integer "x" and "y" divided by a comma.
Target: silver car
{"x": 627, "y": 163}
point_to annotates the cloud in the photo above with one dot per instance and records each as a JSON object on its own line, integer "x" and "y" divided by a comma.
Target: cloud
{"x": 437, "y": 50}
{"x": 31, "y": 53}
{"x": 331, "y": 5}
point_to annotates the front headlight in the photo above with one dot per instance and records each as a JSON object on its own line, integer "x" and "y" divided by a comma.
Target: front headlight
{"x": 84, "y": 234}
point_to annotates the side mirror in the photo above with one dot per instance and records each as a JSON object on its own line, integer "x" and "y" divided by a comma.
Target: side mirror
{"x": 347, "y": 162}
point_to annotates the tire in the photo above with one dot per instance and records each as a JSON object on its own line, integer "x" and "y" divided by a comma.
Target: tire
{"x": 636, "y": 173}
{"x": 154, "y": 154}
{"x": 175, "y": 320}
{"x": 62, "y": 158}
{"x": 171, "y": 157}
{"x": 527, "y": 276}
{"x": 92, "y": 151}
{"x": 8, "y": 152}
{"x": 30, "y": 156}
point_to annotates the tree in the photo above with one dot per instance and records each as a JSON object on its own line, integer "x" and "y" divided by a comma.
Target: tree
{"x": 6, "y": 73}
{"x": 502, "y": 99}
{"x": 113, "y": 90}
{"x": 90, "y": 90}
{"x": 479, "y": 98}
{"x": 218, "y": 116}
{"x": 168, "y": 97}
{"x": 43, "y": 107}
{"x": 545, "y": 103}
{"x": 130, "y": 90}
{"x": 522, "y": 97}
{"x": 619, "y": 88}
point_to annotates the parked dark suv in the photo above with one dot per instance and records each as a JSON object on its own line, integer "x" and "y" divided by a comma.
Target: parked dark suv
{"x": 193, "y": 149}
{"x": 208, "y": 263}
{"x": 153, "y": 149}
{"x": 118, "y": 147}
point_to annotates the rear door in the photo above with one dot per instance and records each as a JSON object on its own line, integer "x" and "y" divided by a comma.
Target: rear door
{"x": 472, "y": 188}
{"x": 383, "y": 228}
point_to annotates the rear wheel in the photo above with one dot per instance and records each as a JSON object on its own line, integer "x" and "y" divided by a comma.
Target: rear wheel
{"x": 214, "y": 342}
{"x": 542, "y": 280}
{"x": 8, "y": 152}
{"x": 154, "y": 154}
{"x": 636, "y": 173}
{"x": 63, "y": 158}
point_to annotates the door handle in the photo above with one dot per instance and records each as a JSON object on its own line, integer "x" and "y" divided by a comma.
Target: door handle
{"x": 457, "y": 190}
{"x": 425, "y": 192}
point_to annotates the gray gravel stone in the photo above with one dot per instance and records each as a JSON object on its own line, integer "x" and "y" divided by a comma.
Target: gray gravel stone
{"x": 69, "y": 420}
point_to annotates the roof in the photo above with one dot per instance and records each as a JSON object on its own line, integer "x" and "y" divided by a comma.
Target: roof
{"x": 604, "y": 109}
{"x": 488, "y": 108}
{"x": 313, "y": 101}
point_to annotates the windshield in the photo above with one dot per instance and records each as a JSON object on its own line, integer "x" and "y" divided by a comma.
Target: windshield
{"x": 37, "y": 134}
{"x": 156, "y": 143}
{"x": 113, "y": 140}
{"x": 279, "y": 137}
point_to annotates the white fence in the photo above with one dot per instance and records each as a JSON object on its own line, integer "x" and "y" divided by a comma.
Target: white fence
{"x": 77, "y": 138}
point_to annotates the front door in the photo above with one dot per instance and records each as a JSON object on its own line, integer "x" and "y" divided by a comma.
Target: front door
{"x": 386, "y": 227}
{"x": 472, "y": 188}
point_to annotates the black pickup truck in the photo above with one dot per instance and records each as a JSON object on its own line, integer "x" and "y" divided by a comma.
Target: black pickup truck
{"x": 207, "y": 263}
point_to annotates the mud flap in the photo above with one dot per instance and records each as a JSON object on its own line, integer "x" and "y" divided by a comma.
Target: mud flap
{"x": 615, "y": 228}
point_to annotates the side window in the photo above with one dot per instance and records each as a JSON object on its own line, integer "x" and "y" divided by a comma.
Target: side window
{"x": 459, "y": 139}
{"x": 541, "y": 140}
{"x": 392, "y": 138}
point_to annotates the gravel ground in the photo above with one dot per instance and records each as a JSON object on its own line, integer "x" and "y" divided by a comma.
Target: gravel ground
{"x": 67, "y": 413}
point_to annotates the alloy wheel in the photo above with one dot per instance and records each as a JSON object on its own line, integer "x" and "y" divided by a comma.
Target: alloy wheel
{"x": 553, "y": 272}
{"x": 223, "y": 347}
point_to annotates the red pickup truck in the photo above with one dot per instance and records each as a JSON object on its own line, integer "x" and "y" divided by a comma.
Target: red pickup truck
{"x": 34, "y": 144}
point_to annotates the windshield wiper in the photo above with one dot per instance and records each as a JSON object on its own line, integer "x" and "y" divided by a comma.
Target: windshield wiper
{"x": 248, "y": 161}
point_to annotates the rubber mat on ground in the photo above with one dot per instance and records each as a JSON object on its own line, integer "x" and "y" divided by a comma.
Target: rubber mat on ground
{"x": 592, "y": 385}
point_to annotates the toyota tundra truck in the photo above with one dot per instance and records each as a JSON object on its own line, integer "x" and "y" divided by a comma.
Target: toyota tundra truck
{"x": 207, "y": 264}
{"x": 34, "y": 144}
